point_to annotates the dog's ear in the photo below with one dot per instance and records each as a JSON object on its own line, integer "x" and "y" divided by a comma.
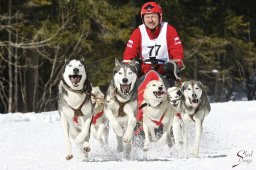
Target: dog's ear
{"x": 200, "y": 84}
{"x": 132, "y": 63}
{"x": 66, "y": 61}
{"x": 179, "y": 92}
{"x": 65, "y": 64}
{"x": 83, "y": 63}
{"x": 183, "y": 87}
{"x": 82, "y": 59}
{"x": 117, "y": 62}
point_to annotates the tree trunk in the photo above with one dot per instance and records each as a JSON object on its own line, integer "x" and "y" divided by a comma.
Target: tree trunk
{"x": 16, "y": 73}
{"x": 10, "y": 79}
{"x": 35, "y": 77}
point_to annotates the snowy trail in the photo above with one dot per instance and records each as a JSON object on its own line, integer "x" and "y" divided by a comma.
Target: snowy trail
{"x": 36, "y": 142}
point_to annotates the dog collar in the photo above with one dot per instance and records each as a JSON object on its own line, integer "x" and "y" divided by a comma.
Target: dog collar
{"x": 147, "y": 104}
{"x": 156, "y": 105}
{"x": 143, "y": 105}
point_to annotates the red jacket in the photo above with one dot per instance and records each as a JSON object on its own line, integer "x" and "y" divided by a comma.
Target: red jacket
{"x": 175, "y": 48}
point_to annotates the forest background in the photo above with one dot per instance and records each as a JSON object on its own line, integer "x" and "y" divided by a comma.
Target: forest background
{"x": 36, "y": 36}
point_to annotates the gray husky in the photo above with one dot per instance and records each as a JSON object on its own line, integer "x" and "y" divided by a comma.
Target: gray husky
{"x": 121, "y": 104}
{"x": 75, "y": 105}
{"x": 194, "y": 107}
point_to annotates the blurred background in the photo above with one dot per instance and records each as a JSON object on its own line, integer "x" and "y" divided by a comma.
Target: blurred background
{"x": 36, "y": 36}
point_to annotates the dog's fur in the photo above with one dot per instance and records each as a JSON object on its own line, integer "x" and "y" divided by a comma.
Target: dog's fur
{"x": 99, "y": 127}
{"x": 157, "y": 109}
{"x": 194, "y": 107}
{"x": 121, "y": 104}
{"x": 74, "y": 89}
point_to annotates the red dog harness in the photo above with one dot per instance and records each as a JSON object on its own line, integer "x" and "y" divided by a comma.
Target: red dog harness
{"x": 158, "y": 123}
{"x": 95, "y": 117}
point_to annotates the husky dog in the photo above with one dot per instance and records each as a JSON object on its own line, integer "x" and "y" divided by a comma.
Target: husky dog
{"x": 75, "y": 105}
{"x": 121, "y": 104}
{"x": 156, "y": 112}
{"x": 99, "y": 127}
{"x": 195, "y": 106}
{"x": 174, "y": 94}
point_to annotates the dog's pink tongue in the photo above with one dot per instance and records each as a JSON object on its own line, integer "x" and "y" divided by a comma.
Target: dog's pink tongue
{"x": 125, "y": 88}
{"x": 75, "y": 80}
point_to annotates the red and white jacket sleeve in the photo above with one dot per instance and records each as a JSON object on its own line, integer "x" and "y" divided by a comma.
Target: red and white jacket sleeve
{"x": 175, "y": 48}
{"x": 133, "y": 47}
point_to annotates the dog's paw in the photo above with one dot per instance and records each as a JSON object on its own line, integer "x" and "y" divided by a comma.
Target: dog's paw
{"x": 127, "y": 138}
{"x": 146, "y": 147}
{"x": 93, "y": 100}
{"x": 86, "y": 147}
{"x": 68, "y": 157}
{"x": 98, "y": 95}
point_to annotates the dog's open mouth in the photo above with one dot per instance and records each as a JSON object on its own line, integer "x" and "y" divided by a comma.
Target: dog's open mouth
{"x": 175, "y": 104}
{"x": 75, "y": 79}
{"x": 125, "y": 88}
{"x": 195, "y": 101}
{"x": 158, "y": 94}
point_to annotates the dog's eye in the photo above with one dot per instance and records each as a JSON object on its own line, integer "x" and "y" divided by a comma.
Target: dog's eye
{"x": 70, "y": 65}
{"x": 120, "y": 73}
{"x": 189, "y": 88}
{"x": 154, "y": 85}
{"x": 80, "y": 65}
{"x": 130, "y": 73}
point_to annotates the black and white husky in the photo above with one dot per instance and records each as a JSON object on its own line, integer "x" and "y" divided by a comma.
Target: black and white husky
{"x": 194, "y": 107}
{"x": 75, "y": 105}
{"x": 121, "y": 104}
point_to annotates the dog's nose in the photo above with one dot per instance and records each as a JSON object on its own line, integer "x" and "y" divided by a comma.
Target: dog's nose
{"x": 160, "y": 88}
{"x": 125, "y": 80}
{"x": 194, "y": 95}
{"x": 75, "y": 70}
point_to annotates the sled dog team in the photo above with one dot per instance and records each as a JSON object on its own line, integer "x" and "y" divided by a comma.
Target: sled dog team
{"x": 85, "y": 111}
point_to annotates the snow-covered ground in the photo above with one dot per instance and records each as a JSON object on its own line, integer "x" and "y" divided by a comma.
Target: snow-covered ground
{"x": 36, "y": 142}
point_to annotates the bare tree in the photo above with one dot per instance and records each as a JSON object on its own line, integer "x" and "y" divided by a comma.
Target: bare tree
{"x": 10, "y": 59}
{"x": 17, "y": 46}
